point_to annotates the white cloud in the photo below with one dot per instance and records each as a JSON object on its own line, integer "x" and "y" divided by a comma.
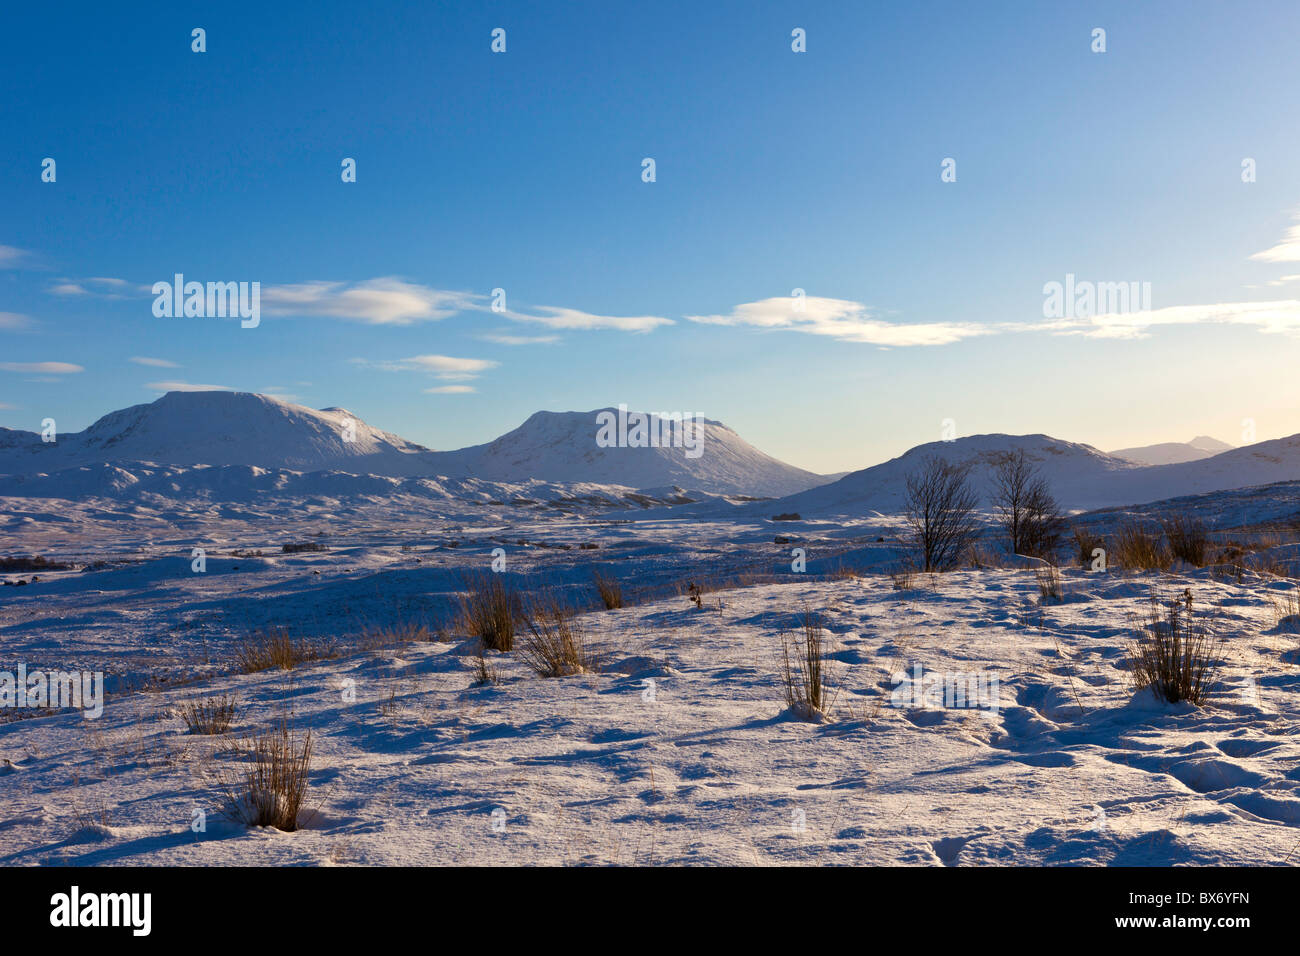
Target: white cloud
{"x": 843, "y": 320}
{"x": 187, "y": 387}
{"x": 561, "y": 318}
{"x": 45, "y": 368}
{"x": 1288, "y": 250}
{"x": 385, "y": 301}
{"x": 1280, "y": 317}
{"x": 502, "y": 338}
{"x": 100, "y": 287}
{"x": 450, "y": 390}
{"x": 443, "y": 366}
{"x": 13, "y": 320}
{"x": 153, "y": 362}
{"x": 10, "y": 256}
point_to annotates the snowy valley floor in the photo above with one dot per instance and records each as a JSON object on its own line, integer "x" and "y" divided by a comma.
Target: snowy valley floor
{"x": 680, "y": 750}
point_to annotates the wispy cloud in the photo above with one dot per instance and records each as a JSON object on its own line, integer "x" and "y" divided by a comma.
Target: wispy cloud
{"x": 153, "y": 362}
{"x": 385, "y": 301}
{"x": 1274, "y": 318}
{"x": 843, "y": 320}
{"x": 443, "y": 366}
{"x": 98, "y": 287}
{"x": 1288, "y": 250}
{"x": 41, "y": 368}
{"x": 13, "y": 320}
{"x": 11, "y": 257}
{"x": 187, "y": 387}
{"x": 573, "y": 319}
{"x": 450, "y": 390}
{"x": 503, "y": 338}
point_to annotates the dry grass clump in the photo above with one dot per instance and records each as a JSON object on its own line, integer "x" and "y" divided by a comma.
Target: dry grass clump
{"x": 611, "y": 592}
{"x": 1173, "y": 653}
{"x": 210, "y": 715}
{"x": 1138, "y": 548}
{"x": 1085, "y": 543}
{"x": 804, "y": 668}
{"x": 270, "y": 789}
{"x": 489, "y": 609}
{"x": 1286, "y": 608}
{"x": 398, "y": 633}
{"x": 276, "y": 649}
{"x": 555, "y": 645}
{"x": 1188, "y": 539}
{"x": 1048, "y": 577}
{"x": 33, "y": 563}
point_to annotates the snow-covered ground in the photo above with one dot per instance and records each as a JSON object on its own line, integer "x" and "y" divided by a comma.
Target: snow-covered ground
{"x": 679, "y": 749}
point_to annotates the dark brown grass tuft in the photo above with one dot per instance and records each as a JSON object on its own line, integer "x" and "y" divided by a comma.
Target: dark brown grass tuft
{"x": 270, "y": 789}
{"x": 1174, "y": 653}
{"x": 210, "y": 715}
{"x": 611, "y": 592}
{"x": 555, "y": 645}
{"x": 489, "y": 609}
{"x": 804, "y": 668}
{"x": 276, "y": 649}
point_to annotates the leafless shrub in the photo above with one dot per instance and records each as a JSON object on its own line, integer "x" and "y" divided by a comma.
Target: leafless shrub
{"x": 555, "y": 645}
{"x": 611, "y": 592}
{"x": 211, "y": 715}
{"x": 276, "y": 649}
{"x": 1173, "y": 653}
{"x": 489, "y": 608}
{"x": 804, "y": 668}
{"x": 1025, "y": 507}
{"x": 270, "y": 788}
{"x": 1138, "y": 548}
{"x": 940, "y": 509}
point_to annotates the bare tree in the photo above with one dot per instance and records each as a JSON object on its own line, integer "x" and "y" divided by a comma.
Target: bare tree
{"x": 1025, "y": 506}
{"x": 940, "y": 509}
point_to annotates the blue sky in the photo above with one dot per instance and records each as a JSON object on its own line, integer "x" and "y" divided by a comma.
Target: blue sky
{"x": 775, "y": 170}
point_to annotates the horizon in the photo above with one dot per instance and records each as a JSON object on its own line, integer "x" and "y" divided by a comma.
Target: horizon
{"x": 500, "y": 250}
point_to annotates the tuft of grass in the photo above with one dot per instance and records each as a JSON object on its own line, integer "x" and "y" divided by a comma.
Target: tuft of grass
{"x": 1086, "y": 542}
{"x": 611, "y": 592}
{"x": 555, "y": 645}
{"x": 485, "y": 673}
{"x": 1138, "y": 548}
{"x": 1049, "y": 584}
{"x": 211, "y": 715}
{"x": 276, "y": 649}
{"x": 804, "y": 668}
{"x": 1286, "y": 608}
{"x": 272, "y": 786}
{"x": 1188, "y": 539}
{"x": 489, "y": 609}
{"x": 904, "y": 578}
{"x": 1174, "y": 653}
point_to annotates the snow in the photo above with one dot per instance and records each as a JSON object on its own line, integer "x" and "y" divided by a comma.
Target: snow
{"x": 679, "y": 749}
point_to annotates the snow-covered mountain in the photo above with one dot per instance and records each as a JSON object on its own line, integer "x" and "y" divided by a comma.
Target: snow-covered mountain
{"x": 1174, "y": 452}
{"x": 1071, "y": 469}
{"x": 264, "y": 435}
{"x": 562, "y": 446}
{"x": 1080, "y": 476}
{"x": 222, "y": 428}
